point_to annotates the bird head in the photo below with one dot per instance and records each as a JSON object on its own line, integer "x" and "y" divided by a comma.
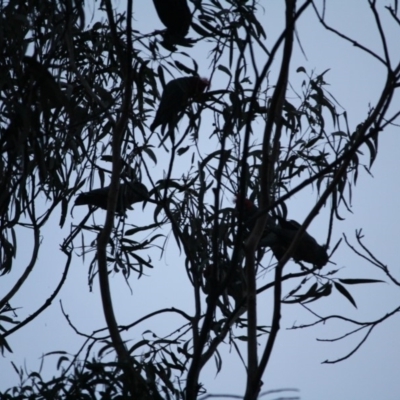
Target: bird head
{"x": 136, "y": 192}
{"x": 201, "y": 85}
{"x": 248, "y": 205}
{"x": 205, "y": 83}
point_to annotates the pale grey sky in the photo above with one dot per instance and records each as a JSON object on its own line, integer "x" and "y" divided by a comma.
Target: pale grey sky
{"x": 372, "y": 373}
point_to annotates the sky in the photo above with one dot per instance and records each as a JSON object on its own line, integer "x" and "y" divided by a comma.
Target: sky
{"x": 356, "y": 81}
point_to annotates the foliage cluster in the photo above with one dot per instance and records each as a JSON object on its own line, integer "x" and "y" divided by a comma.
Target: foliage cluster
{"x": 77, "y": 100}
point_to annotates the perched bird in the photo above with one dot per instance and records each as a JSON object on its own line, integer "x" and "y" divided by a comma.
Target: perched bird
{"x": 176, "y": 16}
{"x": 279, "y": 236}
{"x": 175, "y": 99}
{"x": 308, "y": 250}
{"x": 250, "y": 211}
{"x": 129, "y": 193}
{"x": 236, "y": 287}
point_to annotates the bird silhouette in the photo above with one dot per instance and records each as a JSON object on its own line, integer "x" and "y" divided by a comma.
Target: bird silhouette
{"x": 174, "y": 100}
{"x": 176, "y": 16}
{"x": 278, "y": 235}
{"x": 129, "y": 193}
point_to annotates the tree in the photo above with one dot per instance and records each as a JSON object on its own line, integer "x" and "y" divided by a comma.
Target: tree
{"x": 77, "y": 104}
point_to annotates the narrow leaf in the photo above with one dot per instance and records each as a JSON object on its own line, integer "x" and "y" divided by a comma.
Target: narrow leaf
{"x": 341, "y": 289}
{"x": 350, "y": 281}
{"x": 224, "y": 69}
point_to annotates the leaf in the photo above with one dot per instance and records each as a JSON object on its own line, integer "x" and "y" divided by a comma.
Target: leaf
{"x": 372, "y": 151}
{"x": 218, "y": 361}
{"x": 64, "y": 209}
{"x": 141, "y": 260}
{"x": 330, "y": 107}
{"x": 356, "y": 281}
{"x": 339, "y": 133}
{"x": 311, "y": 142}
{"x": 224, "y": 153}
{"x": 108, "y": 346}
{"x": 325, "y": 290}
{"x": 312, "y": 291}
{"x": 182, "y": 150}
{"x": 161, "y": 75}
{"x": 202, "y": 32}
{"x": 50, "y": 353}
{"x": 4, "y": 344}
{"x": 141, "y": 343}
{"x": 184, "y": 68}
{"x": 301, "y": 69}
{"x": 210, "y": 28}
{"x": 150, "y": 153}
{"x": 341, "y": 289}
{"x": 61, "y": 360}
{"x": 258, "y": 26}
{"x": 224, "y": 69}
{"x": 7, "y": 319}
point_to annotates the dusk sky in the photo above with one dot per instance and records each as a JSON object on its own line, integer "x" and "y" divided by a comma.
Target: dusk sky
{"x": 356, "y": 81}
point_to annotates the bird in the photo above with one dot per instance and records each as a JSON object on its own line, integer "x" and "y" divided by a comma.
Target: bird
{"x": 176, "y": 16}
{"x": 308, "y": 249}
{"x": 279, "y": 236}
{"x": 235, "y": 287}
{"x": 250, "y": 211}
{"x": 129, "y": 193}
{"x": 175, "y": 99}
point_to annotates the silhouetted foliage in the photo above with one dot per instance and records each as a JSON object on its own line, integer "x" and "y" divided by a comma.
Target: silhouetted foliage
{"x": 79, "y": 108}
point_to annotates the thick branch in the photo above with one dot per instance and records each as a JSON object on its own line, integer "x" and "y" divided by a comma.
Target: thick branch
{"x": 134, "y": 381}
{"x": 267, "y": 175}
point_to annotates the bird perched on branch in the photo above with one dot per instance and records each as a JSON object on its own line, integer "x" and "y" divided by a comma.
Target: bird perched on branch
{"x": 176, "y": 16}
{"x": 236, "y": 287}
{"x": 175, "y": 99}
{"x": 279, "y": 236}
{"x": 250, "y": 211}
{"x": 129, "y": 193}
{"x": 308, "y": 250}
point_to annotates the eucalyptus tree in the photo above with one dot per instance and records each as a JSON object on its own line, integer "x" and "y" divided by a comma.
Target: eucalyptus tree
{"x": 79, "y": 96}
